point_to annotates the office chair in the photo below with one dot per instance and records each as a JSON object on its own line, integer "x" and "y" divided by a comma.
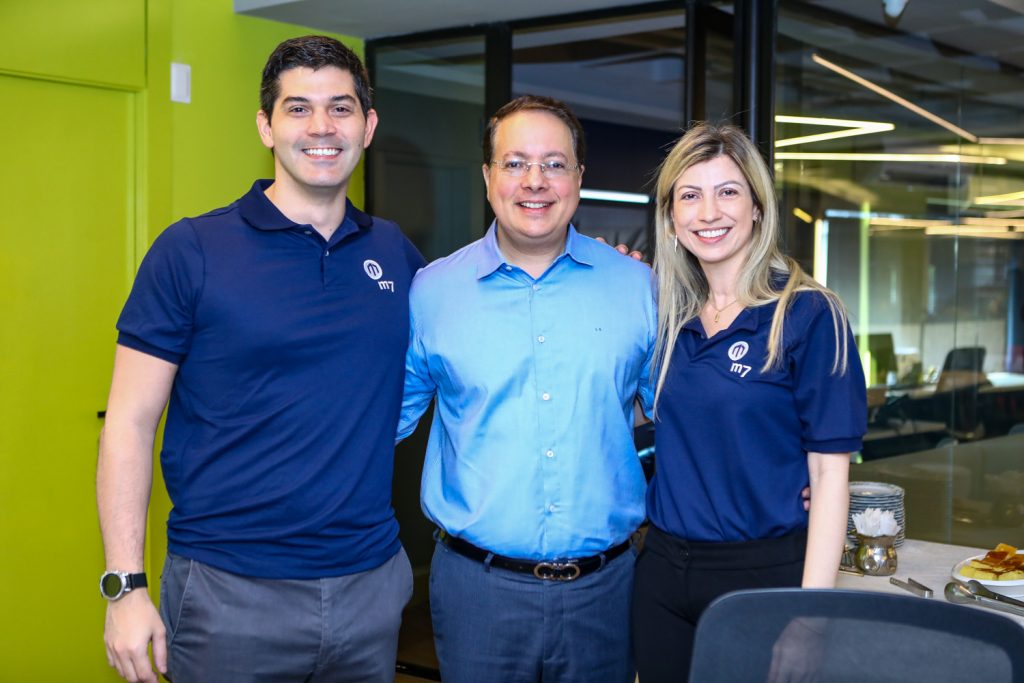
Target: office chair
{"x": 963, "y": 367}
{"x": 956, "y": 393}
{"x": 843, "y": 636}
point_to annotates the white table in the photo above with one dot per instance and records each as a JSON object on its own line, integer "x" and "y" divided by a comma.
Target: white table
{"x": 924, "y": 561}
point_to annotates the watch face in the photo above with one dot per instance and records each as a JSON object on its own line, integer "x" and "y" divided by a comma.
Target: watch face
{"x": 112, "y": 584}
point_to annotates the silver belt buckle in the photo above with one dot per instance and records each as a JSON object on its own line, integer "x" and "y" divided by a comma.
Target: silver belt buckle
{"x": 557, "y": 571}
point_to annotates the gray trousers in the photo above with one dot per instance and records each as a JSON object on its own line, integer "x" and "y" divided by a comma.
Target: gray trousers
{"x": 224, "y": 628}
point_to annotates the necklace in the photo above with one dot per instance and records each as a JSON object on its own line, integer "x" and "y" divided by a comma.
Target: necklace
{"x": 719, "y": 311}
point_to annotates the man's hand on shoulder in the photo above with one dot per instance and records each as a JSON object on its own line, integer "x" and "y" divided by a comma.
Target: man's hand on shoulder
{"x": 625, "y": 250}
{"x": 132, "y": 623}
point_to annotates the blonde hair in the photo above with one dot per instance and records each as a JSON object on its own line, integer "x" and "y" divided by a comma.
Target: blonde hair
{"x": 682, "y": 287}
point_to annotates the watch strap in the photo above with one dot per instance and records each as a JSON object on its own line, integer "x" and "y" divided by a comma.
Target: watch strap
{"x": 133, "y": 581}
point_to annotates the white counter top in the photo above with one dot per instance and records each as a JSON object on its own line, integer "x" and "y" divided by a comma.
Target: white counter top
{"x": 924, "y": 561}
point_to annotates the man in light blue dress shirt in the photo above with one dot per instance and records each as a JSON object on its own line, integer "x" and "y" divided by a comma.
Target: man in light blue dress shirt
{"x": 536, "y": 341}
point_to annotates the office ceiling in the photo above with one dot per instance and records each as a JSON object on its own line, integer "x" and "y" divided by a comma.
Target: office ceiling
{"x": 961, "y": 57}
{"x": 368, "y": 19}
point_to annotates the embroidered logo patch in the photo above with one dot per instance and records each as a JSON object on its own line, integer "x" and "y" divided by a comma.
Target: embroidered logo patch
{"x": 375, "y": 272}
{"x": 736, "y": 352}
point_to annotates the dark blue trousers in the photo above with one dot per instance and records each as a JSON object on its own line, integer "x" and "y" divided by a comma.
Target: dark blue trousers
{"x": 494, "y": 625}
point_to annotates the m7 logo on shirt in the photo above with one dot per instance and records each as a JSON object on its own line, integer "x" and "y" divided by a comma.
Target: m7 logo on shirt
{"x": 374, "y": 272}
{"x": 736, "y": 352}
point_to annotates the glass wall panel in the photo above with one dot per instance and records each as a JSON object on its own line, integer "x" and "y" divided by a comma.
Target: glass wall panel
{"x": 900, "y": 166}
{"x": 718, "y": 73}
{"x": 425, "y": 174}
{"x": 624, "y": 79}
{"x": 425, "y": 159}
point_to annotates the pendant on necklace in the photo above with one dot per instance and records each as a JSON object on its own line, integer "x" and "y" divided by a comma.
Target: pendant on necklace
{"x": 717, "y": 315}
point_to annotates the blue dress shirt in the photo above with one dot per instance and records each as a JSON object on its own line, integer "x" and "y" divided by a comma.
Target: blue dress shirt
{"x": 531, "y": 449}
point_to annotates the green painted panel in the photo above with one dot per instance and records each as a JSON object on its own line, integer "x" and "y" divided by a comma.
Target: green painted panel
{"x": 64, "y": 243}
{"x": 99, "y": 41}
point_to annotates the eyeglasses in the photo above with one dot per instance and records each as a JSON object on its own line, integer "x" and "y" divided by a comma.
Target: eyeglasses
{"x": 517, "y": 168}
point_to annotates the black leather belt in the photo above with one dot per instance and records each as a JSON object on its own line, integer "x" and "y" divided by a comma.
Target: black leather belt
{"x": 549, "y": 570}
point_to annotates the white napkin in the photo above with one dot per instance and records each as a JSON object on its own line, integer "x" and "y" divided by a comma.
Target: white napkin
{"x": 876, "y": 522}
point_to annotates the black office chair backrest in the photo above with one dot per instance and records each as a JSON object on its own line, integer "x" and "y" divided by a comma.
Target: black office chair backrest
{"x": 963, "y": 370}
{"x": 965, "y": 358}
{"x": 840, "y": 636}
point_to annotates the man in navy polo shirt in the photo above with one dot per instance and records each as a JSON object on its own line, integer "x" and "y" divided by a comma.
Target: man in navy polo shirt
{"x": 276, "y": 327}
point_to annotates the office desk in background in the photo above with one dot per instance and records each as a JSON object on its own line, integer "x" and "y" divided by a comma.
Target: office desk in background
{"x": 908, "y": 419}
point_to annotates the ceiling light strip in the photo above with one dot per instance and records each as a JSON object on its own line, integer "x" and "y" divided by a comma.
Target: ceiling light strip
{"x": 965, "y": 231}
{"x": 907, "y": 104}
{"x": 999, "y": 198}
{"x": 825, "y": 121}
{"x": 1001, "y": 141}
{"x": 908, "y": 222}
{"x": 803, "y": 215}
{"x": 851, "y": 128}
{"x": 1007, "y": 223}
{"x": 916, "y": 158}
{"x": 831, "y": 135}
{"x": 610, "y": 196}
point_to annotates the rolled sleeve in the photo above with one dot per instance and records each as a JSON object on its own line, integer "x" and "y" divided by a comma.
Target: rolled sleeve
{"x": 159, "y": 316}
{"x": 832, "y": 405}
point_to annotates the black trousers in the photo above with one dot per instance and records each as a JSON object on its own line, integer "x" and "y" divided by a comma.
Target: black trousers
{"x": 676, "y": 580}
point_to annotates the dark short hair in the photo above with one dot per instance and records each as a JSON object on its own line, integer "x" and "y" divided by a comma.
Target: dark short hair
{"x": 314, "y": 52}
{"x": 550, "y": 105}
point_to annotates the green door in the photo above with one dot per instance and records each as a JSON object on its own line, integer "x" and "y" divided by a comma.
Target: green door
{"x": 66, "y": 222}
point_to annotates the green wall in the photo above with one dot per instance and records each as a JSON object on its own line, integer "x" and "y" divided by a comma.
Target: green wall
{"x": 98, "y": 42}
{"x": 182, "y": 159}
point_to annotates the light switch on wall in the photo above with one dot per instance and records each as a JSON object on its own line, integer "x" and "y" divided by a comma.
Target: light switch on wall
{"x": 181, "y": 83}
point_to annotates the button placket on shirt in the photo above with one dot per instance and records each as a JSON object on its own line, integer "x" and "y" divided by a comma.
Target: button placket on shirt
{"x": 541, "y": 354}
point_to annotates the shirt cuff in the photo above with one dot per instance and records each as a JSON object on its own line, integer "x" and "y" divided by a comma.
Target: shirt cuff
{"x": 133, "y": 342}
{"x": 848, "y": 445}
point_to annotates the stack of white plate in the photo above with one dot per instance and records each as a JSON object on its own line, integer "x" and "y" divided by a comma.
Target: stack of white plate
{"x": 874, "y": 494}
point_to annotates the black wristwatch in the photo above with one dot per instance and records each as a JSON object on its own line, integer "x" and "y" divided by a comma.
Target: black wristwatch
{"x": 114, "y": 584}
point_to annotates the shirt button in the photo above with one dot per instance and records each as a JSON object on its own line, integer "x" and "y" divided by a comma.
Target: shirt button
{"x": 541, "y": 339}
{"x": 536, "y": 288}
{"x": 308, "y": 232}
{"x": 550, "y": 454}
{"x": 327, "y": 253}
{"x": 551, "y": 508}
{"x": 546, "y": 396}
{"x": 508, "y": 268}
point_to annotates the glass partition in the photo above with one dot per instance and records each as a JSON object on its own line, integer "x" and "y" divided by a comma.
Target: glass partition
{"x": 425, "y": 158}
{"x": 901, "y": 168}
{"x": 623, "y": 77}
{"x": 424, "y": 168}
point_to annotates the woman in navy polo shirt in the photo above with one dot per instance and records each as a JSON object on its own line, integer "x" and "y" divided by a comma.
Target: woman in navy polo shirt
{"x": 759, "y": 393}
